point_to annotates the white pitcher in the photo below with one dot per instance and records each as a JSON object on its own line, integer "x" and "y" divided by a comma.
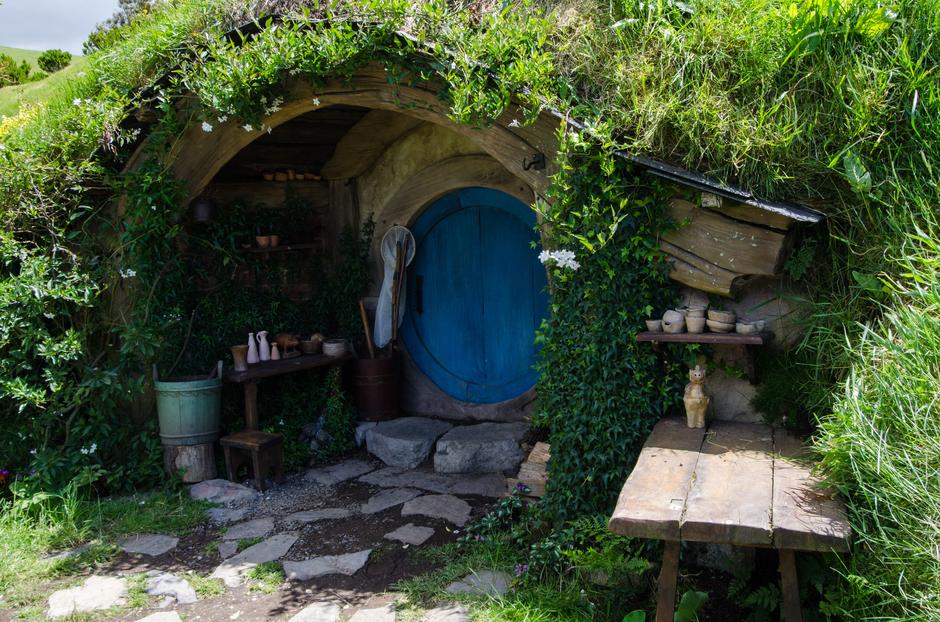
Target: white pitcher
{"x": 264, "y": 349}
{"x": 252, "y": 349}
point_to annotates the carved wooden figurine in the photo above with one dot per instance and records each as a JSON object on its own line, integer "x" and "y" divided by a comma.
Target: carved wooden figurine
{"x": 695, "y": 399}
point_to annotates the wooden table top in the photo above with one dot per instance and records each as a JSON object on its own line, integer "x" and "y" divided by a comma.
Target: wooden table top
{"x": 736, "y": 483}
{"x": 269, "y": 369}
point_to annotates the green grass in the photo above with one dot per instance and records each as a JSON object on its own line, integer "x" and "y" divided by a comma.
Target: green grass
{"x": 14, "y": 97}
{"x": 20, "y": 54}
{"x": 30, "y": 531}
{"x": 206, "y": 587}
{"x": 265, "y": 578}
{"x": 245, "y": 543}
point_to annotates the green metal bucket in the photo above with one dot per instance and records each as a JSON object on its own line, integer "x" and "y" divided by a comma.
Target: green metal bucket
{"x": 188, "y": 408}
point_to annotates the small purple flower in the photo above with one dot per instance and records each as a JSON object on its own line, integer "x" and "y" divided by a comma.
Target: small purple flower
{"x": 4, "y": 476}
{"x": 520, "y": 569}
{"x": 522, "y": 488}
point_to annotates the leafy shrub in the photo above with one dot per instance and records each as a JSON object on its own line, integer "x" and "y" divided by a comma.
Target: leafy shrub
{"x": 52, "y": 61}
{"x": 12, "y": 72}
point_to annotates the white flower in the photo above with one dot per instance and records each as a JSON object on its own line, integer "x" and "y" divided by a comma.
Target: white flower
{"x": 316, "y": 101}
{"x": 247, "y": 127}
{"x": 128, "y": 273}
{"x": 32, "y": 452}
{"x": 514, "y": 123}
{"x": 206, "y": 127}
{"x": 544, "y": 256}
{"x": 77, "y": 101}
{"x": 93, "y": 448}
{"x": 562, "y": 258}
{"x": 223, "y": 119}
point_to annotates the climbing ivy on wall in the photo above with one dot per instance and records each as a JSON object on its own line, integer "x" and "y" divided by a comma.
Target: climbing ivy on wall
{"x": 600, "y": 392}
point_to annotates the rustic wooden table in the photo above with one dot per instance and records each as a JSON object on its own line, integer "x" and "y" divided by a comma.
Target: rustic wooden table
{"x": 734, "y": 483}
{"x": 269, "y": 369}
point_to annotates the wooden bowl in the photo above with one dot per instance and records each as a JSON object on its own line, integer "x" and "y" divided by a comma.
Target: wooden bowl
{"x": 719, "y": 327}
{"x": 725, "y": 317}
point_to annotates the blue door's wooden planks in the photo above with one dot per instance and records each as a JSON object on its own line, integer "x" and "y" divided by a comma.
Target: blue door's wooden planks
{"x": 732, "y": 490}
{"x": 482, "y": 295}
{"x": 652, "y": 500}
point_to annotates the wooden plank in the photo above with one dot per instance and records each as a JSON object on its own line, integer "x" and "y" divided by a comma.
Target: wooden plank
{"x": 731, "y": 496}
{"x": 790, "y": 609}
{"x": 653, "y": 497}
{"x": 723, "y": 338}
{"x": 751, "y": 214}
{"x": 691, "y": 270}
{"x": 540, "y": 453}
{"x": 724, "y": 242}
{"x": 666, "y": 585}
{"x": 269, "y": 369}
{"x": 358, "y": 150}
{"x": 806, "y": 516}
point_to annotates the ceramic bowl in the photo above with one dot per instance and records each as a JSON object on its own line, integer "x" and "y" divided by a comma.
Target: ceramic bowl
{"x": 746, "y": 328}
{"x": 672, "y": 316}
{"x": 725, "y": 317}
{"x": 311, "y": 347}
{"x": 674, "y": 327}
{"x": 335, "y": 347}
{"x": 695, "y": 312}
{"x": 695, "y": 324}
{"x": 654, "y": 326}
{"x": 719, "y": 327}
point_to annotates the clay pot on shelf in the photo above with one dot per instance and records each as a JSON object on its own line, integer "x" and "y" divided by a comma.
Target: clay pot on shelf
{"x": 275, "y": 240}
{"x": 654, "y": 326}
{"x": 725, "y": 317}
{"x": 240, "y": 357}
{"x": 695, "y": 312}
{"x": 672, "y": 316}
{"x": 268, "y": 176}
{"x": 279, "y": 176}
{"x": 263, "y": 241}
{"x": 309, "y": 346}
{"x": 695, "y": 324}
{"x": 744, "y": 327}
{"x": 719, "y": 327}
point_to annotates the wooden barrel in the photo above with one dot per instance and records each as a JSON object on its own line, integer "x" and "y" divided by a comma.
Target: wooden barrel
{"x": 377, "y": 382}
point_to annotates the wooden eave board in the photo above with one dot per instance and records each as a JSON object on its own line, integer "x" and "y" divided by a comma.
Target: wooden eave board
{"x": 806, "y": 516}
{"x": 652, "y": 500}
{"x": 731, "y": 497}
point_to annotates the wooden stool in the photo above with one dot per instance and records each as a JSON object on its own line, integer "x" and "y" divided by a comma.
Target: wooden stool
{"x": 265, "y": 451}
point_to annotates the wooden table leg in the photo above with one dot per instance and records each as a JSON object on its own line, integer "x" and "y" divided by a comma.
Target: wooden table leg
{"x": 251, "y": 406}
{"x": 790, "y": 587}
{"x": 666, "y": 587}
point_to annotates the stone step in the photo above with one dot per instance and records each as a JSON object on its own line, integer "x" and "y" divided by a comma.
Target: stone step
{"x": 480, "y": 448}
{"x": 405, "y": 442}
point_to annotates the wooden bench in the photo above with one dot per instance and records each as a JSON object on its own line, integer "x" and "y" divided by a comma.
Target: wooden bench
{"x": 734, "y": 483}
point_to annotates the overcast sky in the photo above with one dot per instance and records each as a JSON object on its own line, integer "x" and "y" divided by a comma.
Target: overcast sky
{"x": 45, "y": 24}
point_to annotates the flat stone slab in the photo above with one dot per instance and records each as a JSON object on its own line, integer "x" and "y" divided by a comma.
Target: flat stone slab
{"x": 166, "y": 584}
{"x": 275, "y": 547}
{"x": 448, "y": 507}
{"x": 310, "y": 516}
{"x": 348, "y": 564}
{"x": 405, "y": 442}
{"x": 222, "y": 491}
{"x": 452, "y": 613}
{"x": 381, "y": 614}
{"x": 482, "y": 583}
{"x": 95, "y": 594}
{"x": 163, "y": 616}
{"x": 480, "y": 448}
{"x": 487, "y": 485}
{"x": 318, "y": 612}
{"x": 69, "y": 553}
{"x": 339, "y": 472}
{"x": 151, "y": 544}
{"x": 227, "y": 548}
{"x": 388, "y": 499}
{"x": 410, "y": 534}
{"x": 257, "y": 528}
{"x": 223, "y": 516}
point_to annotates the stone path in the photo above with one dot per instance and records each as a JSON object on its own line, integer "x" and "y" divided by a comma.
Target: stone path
{"x": 482, "y": 583}
{"x": 341, "y": 533}
{"x": 405, "y": 442}
{"x": 481, "y": 448}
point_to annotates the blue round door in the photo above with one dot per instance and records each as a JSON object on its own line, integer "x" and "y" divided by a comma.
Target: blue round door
{"x": 476, "y": 294}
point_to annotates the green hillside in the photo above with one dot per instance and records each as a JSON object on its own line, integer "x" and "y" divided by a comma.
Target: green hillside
{"x": 12, "y": 97}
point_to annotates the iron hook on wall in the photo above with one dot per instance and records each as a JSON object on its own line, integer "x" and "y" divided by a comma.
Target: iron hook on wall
{"x": 537, "y": 162}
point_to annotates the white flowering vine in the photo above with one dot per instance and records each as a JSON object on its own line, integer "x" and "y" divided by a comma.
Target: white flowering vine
{"x": 128, "y": 273}
{"x": 562, "y": 258}
{"x": 206, "y": 127}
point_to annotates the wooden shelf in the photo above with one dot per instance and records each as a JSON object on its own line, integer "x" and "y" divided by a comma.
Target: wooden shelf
{"x": 284, "y": 248}
{"x": 750, "y": 343}
{"x": 269, "y": 369}
{"x": 713, "y": 338}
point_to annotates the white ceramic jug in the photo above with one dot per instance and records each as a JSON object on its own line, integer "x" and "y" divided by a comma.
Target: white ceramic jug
{"x": 252, "y": 349}
{"x": 275, "y": 353}
{"x": 264, "y": 348}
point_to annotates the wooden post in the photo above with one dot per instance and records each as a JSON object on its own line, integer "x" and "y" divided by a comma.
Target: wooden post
{"x": 251, "y": 405}
{"x": 666, "y": 587}
{"x": 790, "y": 587}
